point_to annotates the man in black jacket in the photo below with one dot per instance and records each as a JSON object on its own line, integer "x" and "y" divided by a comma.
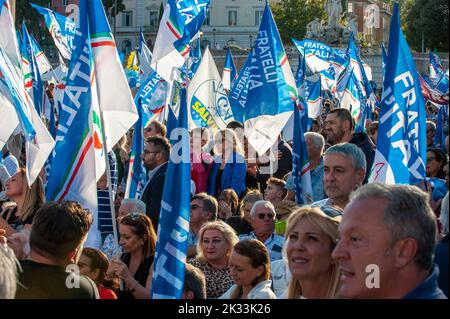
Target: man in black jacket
{"x": 339, "y": 128}
{"x": 155, "y": 157}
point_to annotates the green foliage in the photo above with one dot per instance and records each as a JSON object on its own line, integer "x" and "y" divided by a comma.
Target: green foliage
{"x": 292, "y": 16}
{"x": 427, "y": 19}
{"x": 33, "y": 20}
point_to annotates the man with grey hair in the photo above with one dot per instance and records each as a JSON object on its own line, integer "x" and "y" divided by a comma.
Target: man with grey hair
{"x": 128, "y": 206}
{"x": 314, "y": 145}
{"x": 441, "y": 253}
{"x": 262, "y": 219}
{"x": 387, "y": 240}
{"x": 344, "y": 171}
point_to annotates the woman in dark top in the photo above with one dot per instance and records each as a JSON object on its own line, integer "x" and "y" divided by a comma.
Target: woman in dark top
{"x": 19, "y": 215}
{"x": 138, "y": 240}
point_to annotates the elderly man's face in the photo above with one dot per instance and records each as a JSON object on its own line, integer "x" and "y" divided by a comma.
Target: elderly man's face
{"x": 340, "y": 178}
{"x": 263, "y": 221}
{"x": 364, "y": 243}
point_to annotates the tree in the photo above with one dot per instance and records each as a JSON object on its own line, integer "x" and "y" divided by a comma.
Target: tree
{"x": 33, "y": 20}
{"x": 428, "y": 20}
{"x": 292, "y": 16}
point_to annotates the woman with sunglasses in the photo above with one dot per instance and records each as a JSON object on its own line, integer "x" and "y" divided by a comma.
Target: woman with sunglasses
{"x": 138, "y": 241}
{"x": 311, "y": 235}
{"x": 94, "y": 264}
{"x": 250, "y": 270}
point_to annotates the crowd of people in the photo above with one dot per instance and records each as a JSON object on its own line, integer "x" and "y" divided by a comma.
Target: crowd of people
{"x": 248, "y": 237}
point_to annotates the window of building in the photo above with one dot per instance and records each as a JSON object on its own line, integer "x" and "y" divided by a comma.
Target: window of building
{"x": 258, "y": 16}
{"x": 232, "y": 17}
{"x": 350, "y": 7}
{"x": 127, "y": 18}
{"x": 154, "y": 15}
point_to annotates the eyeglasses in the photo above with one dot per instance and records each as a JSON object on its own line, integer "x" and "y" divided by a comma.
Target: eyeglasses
{"x": 194, "y": 206}
{"x": 429, "y": 159}
{"x": 263, "y": 216}
{"x": 331, "y": 211}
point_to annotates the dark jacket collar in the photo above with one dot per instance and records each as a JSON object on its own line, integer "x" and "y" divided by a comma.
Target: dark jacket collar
{"x": 428, "y": 289}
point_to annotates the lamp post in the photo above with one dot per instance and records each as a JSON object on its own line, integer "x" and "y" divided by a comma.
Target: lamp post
{"x": 251, "y": 41}
{"x": 214, "y": 38}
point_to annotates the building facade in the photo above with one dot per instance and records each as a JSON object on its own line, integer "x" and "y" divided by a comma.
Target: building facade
{"x": 229, "y": 23}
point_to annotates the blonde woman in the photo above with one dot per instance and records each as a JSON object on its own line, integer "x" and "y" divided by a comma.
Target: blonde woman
{"x": 216, "y": 241}
{"x": 250, "y": 270}
{"x": 19, "y": 215}
{"x": 229, "y": 167}
{"x": 311, "y": 236}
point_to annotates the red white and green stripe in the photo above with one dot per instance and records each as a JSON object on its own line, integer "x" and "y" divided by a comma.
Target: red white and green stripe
{"x": 102, "y": 39}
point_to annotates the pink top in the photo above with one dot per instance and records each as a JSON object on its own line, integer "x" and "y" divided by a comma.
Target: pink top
{"x": 201, "y": 165}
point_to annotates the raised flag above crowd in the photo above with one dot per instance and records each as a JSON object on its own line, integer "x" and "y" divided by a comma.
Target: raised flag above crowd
{"x": 173, "y": 229}
{"x": 180, "y": 23}
{"x": 207, "y": 99}
{"x": 263, "y": 93}
{"x": 61, "y": 28}
{"x": 401, "y": 146}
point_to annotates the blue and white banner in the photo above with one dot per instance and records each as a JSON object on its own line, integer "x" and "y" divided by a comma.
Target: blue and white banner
{"x": 436, "y": 68}
{"x": 265, "y": 89}
{"x": 384, "y": 57}
{"x": 145, "y": 58}
{"x": 60, "y": 27}
{"x": 315, "y": 101}
{"x": 300, "y": 163}
{"x": 401, "y": 146}
{"x": 207, "y": 99}
{"x": 441, "y": 127}
{"x": 173, "y": 228}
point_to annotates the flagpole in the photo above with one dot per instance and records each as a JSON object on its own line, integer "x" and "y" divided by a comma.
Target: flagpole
{"x": 110, "y": 192}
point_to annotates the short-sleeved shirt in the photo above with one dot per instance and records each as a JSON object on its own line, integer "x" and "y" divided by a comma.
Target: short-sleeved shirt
{"x": 274, "y": 244}
{"x": 218, "y": 281}
{"x": 41, "y": 281}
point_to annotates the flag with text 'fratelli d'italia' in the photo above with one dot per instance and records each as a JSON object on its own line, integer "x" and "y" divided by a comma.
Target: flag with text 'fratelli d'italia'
{"x": 401, "y": 146}
{"x": 230, "y": 74}
{"x": 145, "y": 57}
{"x": 207, "y": 98}
{"x": 114, "y": 96}
{"x": 173, "y": 229}
{"x": 60, "y": 27}
{"x": 265, "y": 89}
{"x": 315, "y": 101}
{"x": 181, "y": 21}
{"x": 72, "y": 173}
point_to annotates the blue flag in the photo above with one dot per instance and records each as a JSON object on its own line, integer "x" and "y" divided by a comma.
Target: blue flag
{"x": 300, "y": 163}
{"x": 401, "y": 147}
{"x": 229, "y": 75}
{"x": 441, "y": 128}
{"x": 196, "y": 57}
{"x": 37, "y": 84}
{"x": 383, "y": 59}
{"x": 270, "y": 85}
{"x": 173, "y": 228}
{"x": 306, "y": 121}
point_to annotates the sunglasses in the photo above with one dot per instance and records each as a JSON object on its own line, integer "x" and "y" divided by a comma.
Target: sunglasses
{"x": 429, "y": 159}
{"x": 263, "y": 216}
{"x": 331, "y": 211}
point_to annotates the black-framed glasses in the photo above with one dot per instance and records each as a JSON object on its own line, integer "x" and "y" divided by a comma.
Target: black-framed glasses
{"x": 195, "y": 206}
{"x": 429, "y": 159}
{"x": 262, "y": 216}
{"x": 331, "y": 211}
